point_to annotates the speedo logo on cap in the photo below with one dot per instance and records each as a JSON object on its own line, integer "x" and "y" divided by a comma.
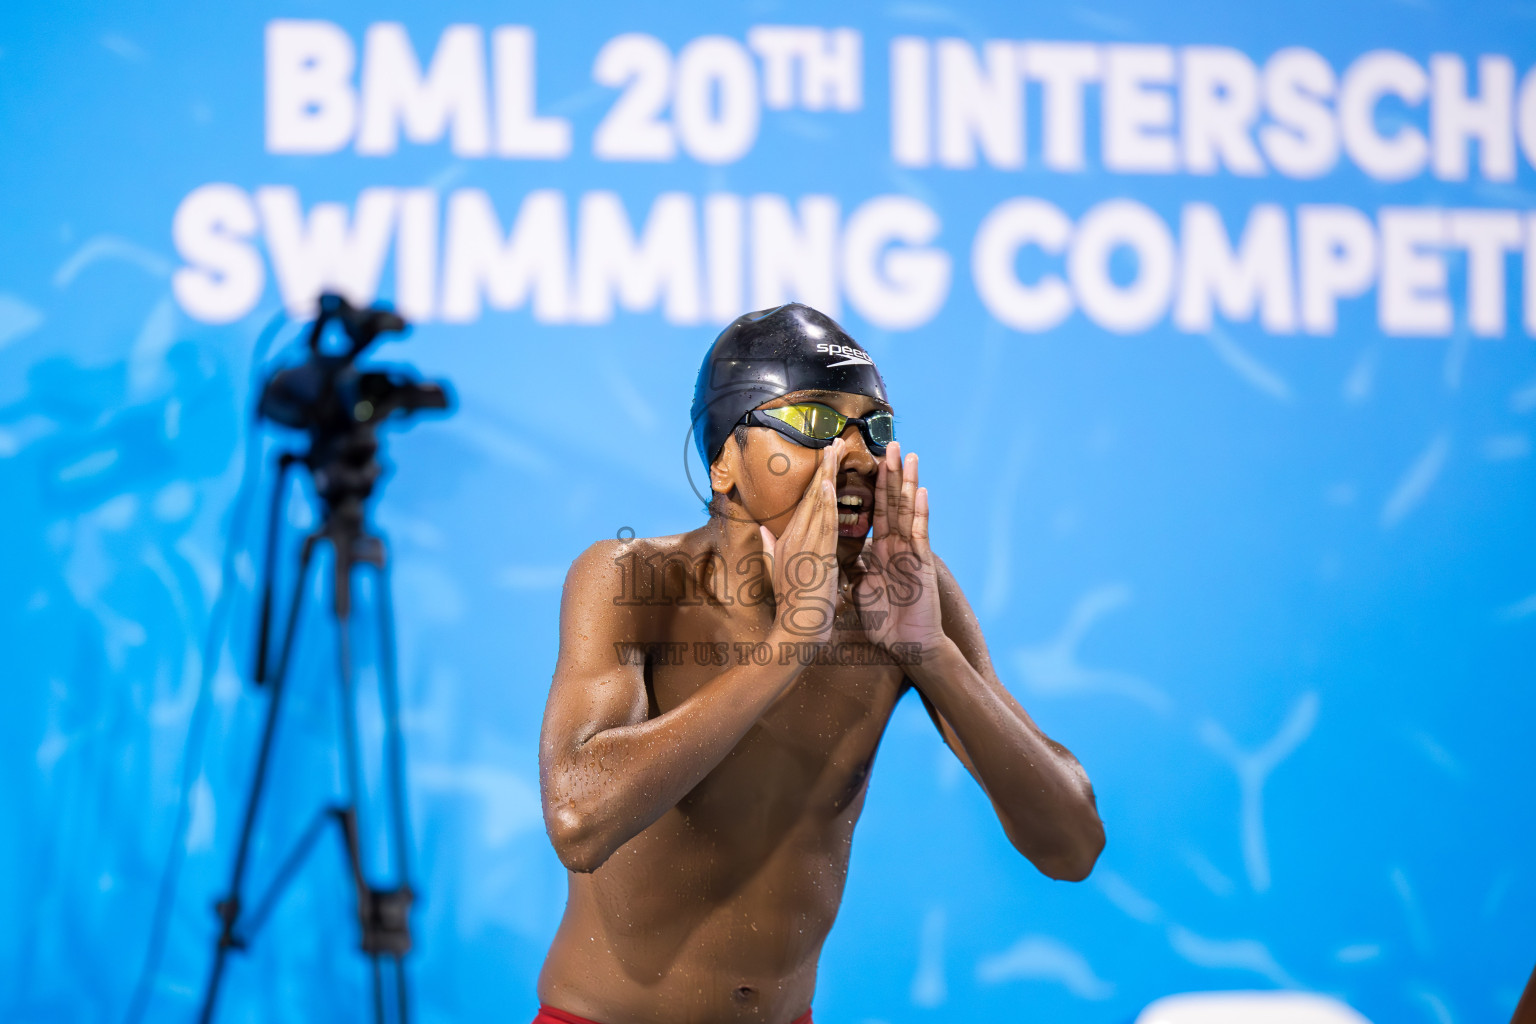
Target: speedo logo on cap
{"x": 851, "y": 356}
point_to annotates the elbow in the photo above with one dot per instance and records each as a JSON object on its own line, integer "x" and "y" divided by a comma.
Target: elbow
{"x": 1081, "y": 836}
{"x": 1074, "y": 860}
{"x": 578, "y": 843}
{"x": 1068, "y": 851}
{"x": 580, "y": 858}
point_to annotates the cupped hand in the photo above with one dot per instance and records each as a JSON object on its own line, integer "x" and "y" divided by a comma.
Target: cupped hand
{"x": 896, "y": 586}
{"x": 803, "y": 558}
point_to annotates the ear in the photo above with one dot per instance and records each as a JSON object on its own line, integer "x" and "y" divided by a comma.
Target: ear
{"x": 722, "y": 474}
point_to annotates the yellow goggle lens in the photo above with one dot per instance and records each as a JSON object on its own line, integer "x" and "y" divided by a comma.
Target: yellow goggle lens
{"x": 812, "y": 420}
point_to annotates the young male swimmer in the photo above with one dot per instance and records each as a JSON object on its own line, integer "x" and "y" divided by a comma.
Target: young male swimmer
{"x": 720, "y": 695}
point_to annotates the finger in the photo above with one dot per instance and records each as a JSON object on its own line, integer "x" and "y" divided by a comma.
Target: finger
{"x": 837, "y": 451}
{"x": 908, "y": 499}
{"x": 768, "y": 542}
{"x": 920, "y": 525}
{"x": 826, "y": 511}
{"x": 821, "y": 483}
{"x": 814, "y": 524}
{"x": 892, "y": 490}
{"x": 826, "y": 471}
{"x": 878, "y": 517}
{"x": 811, "y": 499}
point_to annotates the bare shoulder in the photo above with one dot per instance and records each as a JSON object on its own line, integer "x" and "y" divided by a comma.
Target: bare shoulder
{"x": 617, "y": 590}
{"x": 601, "y": 612}
{"x": 949, "y": 589}
{"x": 603, "y": 565}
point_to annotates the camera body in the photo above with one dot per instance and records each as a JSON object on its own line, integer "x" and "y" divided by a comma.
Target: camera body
{"x": 329, "y": 393}
{"x": 341, "y": 405}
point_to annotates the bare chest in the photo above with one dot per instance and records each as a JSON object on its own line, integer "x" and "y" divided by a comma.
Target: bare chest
{"x": 811, "y": 752}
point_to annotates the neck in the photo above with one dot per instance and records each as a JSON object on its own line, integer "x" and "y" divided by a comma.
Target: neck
{"x": 733, "y": 532}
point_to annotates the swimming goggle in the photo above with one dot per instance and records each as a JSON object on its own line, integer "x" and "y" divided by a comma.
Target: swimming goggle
{"x": 815, "y": 425}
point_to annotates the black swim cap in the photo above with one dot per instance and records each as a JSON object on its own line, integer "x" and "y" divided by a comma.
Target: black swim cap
{"x": 769, "y": 353}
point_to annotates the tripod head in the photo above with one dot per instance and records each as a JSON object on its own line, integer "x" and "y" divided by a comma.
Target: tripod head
{"x": 341, "y": 405}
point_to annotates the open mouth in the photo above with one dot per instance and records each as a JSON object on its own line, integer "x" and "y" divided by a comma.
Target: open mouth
{"x": 854, "y": 514}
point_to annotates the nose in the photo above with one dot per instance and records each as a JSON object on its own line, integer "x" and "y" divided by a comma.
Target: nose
{"x": 857, "y": 457}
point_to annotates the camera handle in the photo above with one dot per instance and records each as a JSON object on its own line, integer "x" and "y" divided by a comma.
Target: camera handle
{"x": 362, "y": 326}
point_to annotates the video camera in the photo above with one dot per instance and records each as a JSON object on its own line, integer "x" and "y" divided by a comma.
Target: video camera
{"x": 341, "y": 405}
{"x": 329, "y": 393}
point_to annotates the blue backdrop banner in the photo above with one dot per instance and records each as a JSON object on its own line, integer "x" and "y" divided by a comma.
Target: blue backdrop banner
{"x": 1211, "y": 323}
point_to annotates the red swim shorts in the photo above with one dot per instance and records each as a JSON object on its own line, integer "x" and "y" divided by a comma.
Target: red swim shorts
{"x": 550, "y": 1015}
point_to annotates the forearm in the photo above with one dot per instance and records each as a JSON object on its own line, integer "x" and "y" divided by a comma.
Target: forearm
{"x": 622, "y": 779}
{"x": 1041, "y": 793}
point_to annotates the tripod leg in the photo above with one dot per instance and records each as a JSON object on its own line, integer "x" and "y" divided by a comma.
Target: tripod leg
{"x": 229, "y": 907}
{"x": 274, "y": 528}
{"x": 378, "y": 989}
{"x": 394, "y": 753}
{"x": 402, "y": 1000}
{"x": 349, "y": 740}
{"x": 285, "y": 874}
{"x": 394, "y": 744}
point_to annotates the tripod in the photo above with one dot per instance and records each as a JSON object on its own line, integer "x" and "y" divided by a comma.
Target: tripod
{"x": 342, "y": 409}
